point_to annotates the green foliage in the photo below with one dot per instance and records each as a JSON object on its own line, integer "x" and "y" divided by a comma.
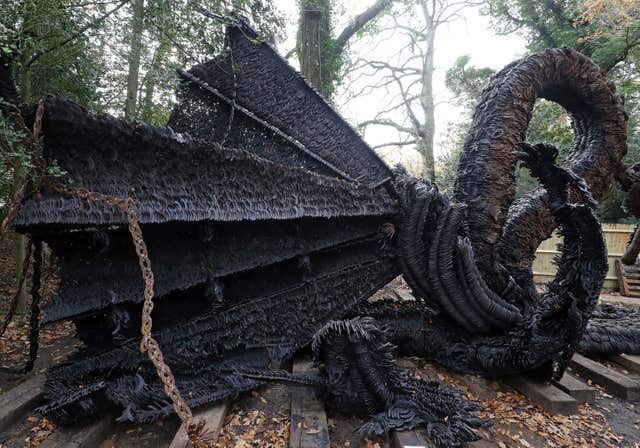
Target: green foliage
{"x": 608, "y": 31}
{"x": 13, "y": 155}
{"x": 549, "y": 124}
{"x": 467, "y": 82}
{"x": 605, "y": 30}
{"x": 34, "y": 29}
{"x": 333, "y": 68}
{"x": 16, "y": 158}
{"x": 447, "y": 162}
{"x": 79, "y": 49}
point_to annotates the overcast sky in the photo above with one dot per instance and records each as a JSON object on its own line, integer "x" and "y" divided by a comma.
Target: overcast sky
{"x": 470, "y": 35}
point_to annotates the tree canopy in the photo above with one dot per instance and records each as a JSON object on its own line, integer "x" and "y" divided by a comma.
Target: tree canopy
{"x": 608, "y": 31}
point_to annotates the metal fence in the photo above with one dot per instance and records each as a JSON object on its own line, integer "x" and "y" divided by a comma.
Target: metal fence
{"x": 616, "y": 237}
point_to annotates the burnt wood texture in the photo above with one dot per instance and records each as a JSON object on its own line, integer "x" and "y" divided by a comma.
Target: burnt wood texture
{"x": 269, "y": 223}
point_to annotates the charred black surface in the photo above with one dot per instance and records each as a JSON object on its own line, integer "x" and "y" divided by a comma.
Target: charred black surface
{"x": 467, "y": 327}
{"x": 612, "y": 329}
{"x": 509, "y": 233}
{"x": 265, "y": 85}
{"x": 359, "y": 364}
{"x": 205, "y": 352}
{"x": 100, "y": 269}
{"x": 174, "y": 178}
{"x": 259, "y": 250}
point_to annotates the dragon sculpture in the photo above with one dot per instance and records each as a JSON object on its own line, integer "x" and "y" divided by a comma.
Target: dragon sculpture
{"x": 270, "y": 223}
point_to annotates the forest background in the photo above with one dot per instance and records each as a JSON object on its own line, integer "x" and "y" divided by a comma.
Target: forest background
{"x": 406, "y": 73}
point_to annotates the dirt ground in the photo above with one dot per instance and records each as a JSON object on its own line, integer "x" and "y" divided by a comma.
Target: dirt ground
{"x": 261, "y": 418}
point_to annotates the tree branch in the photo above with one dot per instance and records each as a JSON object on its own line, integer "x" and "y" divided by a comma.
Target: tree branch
{"x": 386, "y": 122}
{"x": 358, "y": 23}
{"x": 405, "y": 143}
{"x": 76, "y": 35}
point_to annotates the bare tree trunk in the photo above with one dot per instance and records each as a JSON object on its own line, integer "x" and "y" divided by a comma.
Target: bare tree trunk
{"x": 20, "y": 252}
{"x": 311, "y": 46}
{"x": 151, "y": 78}
{"x": 425, "y": 146}
{"x": 134, "y": 59}
{"x": 417, "y": 127}
{"x": 319, "y": 56}
{"x": 18, "y": 173}
{"x": 314, "y": 33}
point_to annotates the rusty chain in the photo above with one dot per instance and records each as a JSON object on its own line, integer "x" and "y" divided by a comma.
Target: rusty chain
{"x": 196, "y": 432}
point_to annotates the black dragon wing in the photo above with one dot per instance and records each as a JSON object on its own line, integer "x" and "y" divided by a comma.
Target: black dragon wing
{"x": 250, "y": 97}
{"x": 262, "y": 224}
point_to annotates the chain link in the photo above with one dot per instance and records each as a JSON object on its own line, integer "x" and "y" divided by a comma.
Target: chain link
{"x": 196, "y": 431}
{"x": 148, "y": 344}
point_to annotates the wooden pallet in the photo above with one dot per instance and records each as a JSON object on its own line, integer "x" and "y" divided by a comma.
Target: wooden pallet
{"x": 631, "y": 362}
{"x": 579, "y": 390}
{"x": 628, "y": 279}
{"x": 308, "y": 419}
{"x": 563, "y": 397}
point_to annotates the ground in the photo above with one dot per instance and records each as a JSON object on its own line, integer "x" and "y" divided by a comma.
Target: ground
{"x": 261, "y": 418}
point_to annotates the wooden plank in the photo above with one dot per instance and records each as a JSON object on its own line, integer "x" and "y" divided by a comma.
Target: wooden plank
{"x": 20, "y": 400}
{"x": 214, "y": 418}
{"x": 613, "y": 382}
{"x": 576, "y": 388}
{"x": 626, "y": 282}
{"x": 622, "y": 284}
{"x": 631, "y": 362}
{"x": 83, "y": 436}
{"x": 308, "y": 419}
{"x": 404, "y": 294}
{"x": 633, "y": 268}
{"x": 411, "y": 439}
{"x": 544, "y": 394}
{"x": 481, "y": 388}
{"x": 620, "y": 300}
